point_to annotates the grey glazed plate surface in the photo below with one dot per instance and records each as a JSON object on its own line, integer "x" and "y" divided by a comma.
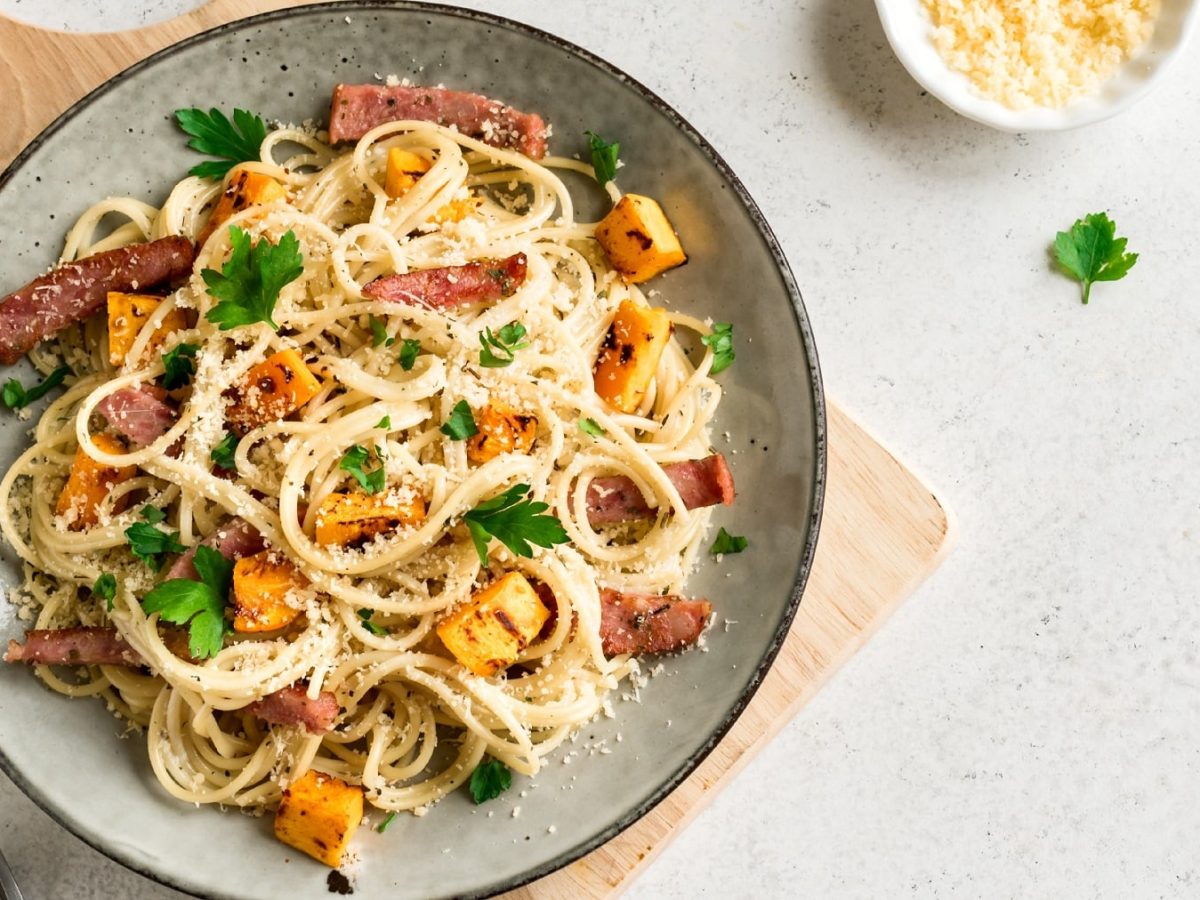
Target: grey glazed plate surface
{"x": 66, "y": 754}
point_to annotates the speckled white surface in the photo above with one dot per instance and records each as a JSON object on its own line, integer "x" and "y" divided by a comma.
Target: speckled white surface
{"x": 1028, "y": 724}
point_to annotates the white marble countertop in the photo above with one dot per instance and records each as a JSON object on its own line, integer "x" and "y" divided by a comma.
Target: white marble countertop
{"x": 1028, "y": 724}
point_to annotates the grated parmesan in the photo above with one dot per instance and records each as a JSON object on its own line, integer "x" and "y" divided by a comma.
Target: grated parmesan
{"x": 1047, "y": 53}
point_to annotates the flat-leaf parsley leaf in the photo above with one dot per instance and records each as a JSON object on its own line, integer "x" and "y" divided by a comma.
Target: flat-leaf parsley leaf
{"x": 223, "y": 454}
{"x": 728, "y": 543}
{"x": 721, "y": 342}
{"x": 231, "y": 142}
{"x": 515, "y": 522}
{"x": 461, "y": 424}
{"x": 604, "y": 157}
{"x": 355, "y": 462}
{"x": 490, "y": 779}
{"x": 250, "y": 281}
{"x": 499, "y": 350}
{"x": 106, "y": 589}
{"x": 379, "y": 335}
{"x": 179, "y": 365}
{"x": 1092, "y": 252}
{"x": 150, "y": 544}
{"x": 409, "y": 351}
{"x": 15, "y": 395}
{"x": 592, "y": 427}
{"x": 377, "y": 630}
{"x": 198, "y": 604}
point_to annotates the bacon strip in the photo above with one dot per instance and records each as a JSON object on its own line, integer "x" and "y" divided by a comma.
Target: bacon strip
{"x": 357, "y": 108}
{"x": 138, "y": 413}
{"x": 90, "y": 646}
{"x": 292, "y": 706}
{"x": 700, "y": 482}
{"x": 233, "y": 540}
{"x": 649, "y": 623}
{"x": 484, "y": 281}
{"x": 73, "y": 291}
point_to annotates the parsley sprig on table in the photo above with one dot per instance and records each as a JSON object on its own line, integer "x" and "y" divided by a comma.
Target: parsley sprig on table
{"x": 249, "y": 283}
{"x": 1092, "y": 252}
{"x": 490, "y": 779}
{"x": 604, "y": 157}
{"x": 200, "y": 605}
{"x": 15, "y": 395}
{"x": 355, "y": 462}
{"x": 514, "y": 521}
{"x": 499, "y": 349}
{"x": 213, "y": 134}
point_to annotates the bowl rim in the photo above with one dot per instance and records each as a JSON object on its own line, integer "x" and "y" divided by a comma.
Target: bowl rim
{"x": 799, "y": 316}
{"x": 995, "y": 114}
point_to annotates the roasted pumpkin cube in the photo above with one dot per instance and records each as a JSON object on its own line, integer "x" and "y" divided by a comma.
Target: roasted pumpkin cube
{"x": 261, "y": 586}
{"x": 245, "y": 189}
{"x": 318, "y": 815}
{"x": 351, "y": 519}
{"x": 456, "y": 210}
{"x": 275, "y": 388}
{"x": 630, "y": 353}
{"x": 403, "y": 169}
{"x": 127, "y": 313}
{"x": 489, "y": 631}
{"x": 89, "y": 482}
{"x": 638, "y": 239}
{"x": 502, "y": 429}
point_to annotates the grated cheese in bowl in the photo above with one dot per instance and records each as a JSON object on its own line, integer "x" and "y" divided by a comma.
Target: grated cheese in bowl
{"x": 1038, "y": 65}
{"x": 1039, "y": 52}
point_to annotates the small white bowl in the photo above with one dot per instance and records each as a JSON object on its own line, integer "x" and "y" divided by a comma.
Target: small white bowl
{"x": 907, "y": 27}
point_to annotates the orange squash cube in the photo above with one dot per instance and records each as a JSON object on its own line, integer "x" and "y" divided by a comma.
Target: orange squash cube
{"x": 275, "y": 388}
{"x": 89, "y": 483}
{"x": 245, "y": 188}
{"x": 261, "y": 585}
{"x": 502, "y": 429}
{"x": 489, "y": 631}
{"x": 352, "y": 519}
{"x": 127, "y": 313}
{"x": 630, "y": 353}
{"x": 403, "y": 169}
{"x": 318, "y": 815}
{"x": 638, "y": 239}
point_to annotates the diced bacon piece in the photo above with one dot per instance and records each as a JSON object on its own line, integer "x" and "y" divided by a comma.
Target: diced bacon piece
{"x": 357, "y": 108}
{"x": 233, "y": 540}
{"x": 649, "y": 623}
{"x": 483, "y": 281}
{"x": 292, "y": 706}
{"x": 92, "y": 646}
{"x": 700, "y": 482}
{"x": 73, "y": 291}
{"x": 139, "y": 413}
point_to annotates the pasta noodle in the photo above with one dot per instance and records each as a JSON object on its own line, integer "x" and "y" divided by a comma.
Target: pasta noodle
{"x": 413, "y": 722}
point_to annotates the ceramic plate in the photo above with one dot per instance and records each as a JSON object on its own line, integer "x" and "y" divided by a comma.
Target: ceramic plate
{"x": 120, "y": 140}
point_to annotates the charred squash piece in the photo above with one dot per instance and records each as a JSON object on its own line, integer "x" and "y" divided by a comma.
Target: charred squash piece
{"x": 127, "y": 313}
{"x": 502, "y": 429}
{"x": 245, "y": 189}
{"x": 351, "y": 519}
{"x": 261, "y": 585}
{"x": 89, "y": 483}
{"x": 318, "y": 815}
{"x": 638, "y": 239}
{"x": 630, "y": 354}
{"x": 275, "y": 388}
{"x": 489, "y": 631}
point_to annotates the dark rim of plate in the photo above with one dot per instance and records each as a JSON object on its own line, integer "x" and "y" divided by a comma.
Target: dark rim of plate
{"x": 799, "y": 314}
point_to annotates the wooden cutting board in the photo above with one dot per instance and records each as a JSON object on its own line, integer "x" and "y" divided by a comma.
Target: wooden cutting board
{"x": 883, "y": 531}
